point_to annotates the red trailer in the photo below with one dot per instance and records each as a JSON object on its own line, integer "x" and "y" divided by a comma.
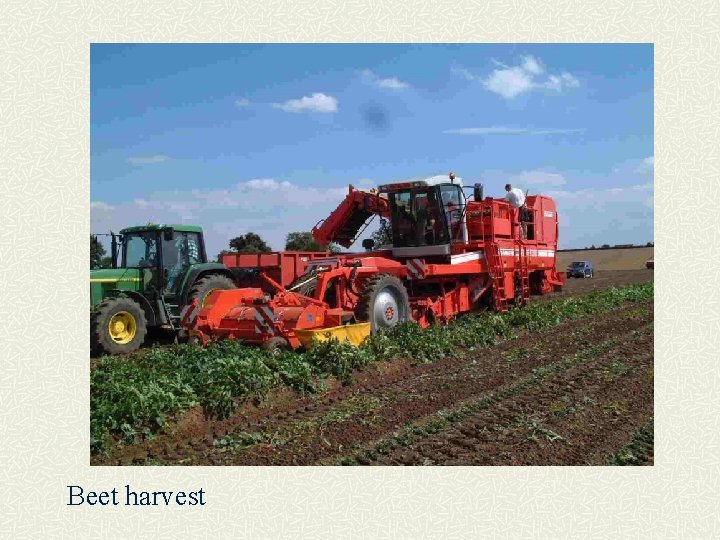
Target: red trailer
{"x": 449, "y": 255}
{"x": 283, "y": 267}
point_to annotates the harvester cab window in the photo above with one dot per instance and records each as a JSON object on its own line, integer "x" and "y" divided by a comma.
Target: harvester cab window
{"x": 416, "y": 219}
{"x": 451, "y": 200}
{"x": 140, "y": 250}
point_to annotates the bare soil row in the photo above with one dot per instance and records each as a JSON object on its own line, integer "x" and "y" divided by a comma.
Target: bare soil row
{"x": 346, "y": 421}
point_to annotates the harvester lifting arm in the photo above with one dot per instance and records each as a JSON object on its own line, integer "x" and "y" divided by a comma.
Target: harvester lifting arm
{"x": 280, "y": 289}
{"x": 344, "y": 223}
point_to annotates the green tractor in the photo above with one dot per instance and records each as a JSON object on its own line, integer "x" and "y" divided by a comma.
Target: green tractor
{"x": 162, "y": 269}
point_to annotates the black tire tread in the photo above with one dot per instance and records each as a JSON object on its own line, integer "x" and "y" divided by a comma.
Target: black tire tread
{"x": 213, "y": 281}
{"x": 372, "y": 286}
{"x": 100, "y": 341}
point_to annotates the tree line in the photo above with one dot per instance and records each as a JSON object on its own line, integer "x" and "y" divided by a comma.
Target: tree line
{"x": 296, "y": 241}
{"x": 245, "y": 243}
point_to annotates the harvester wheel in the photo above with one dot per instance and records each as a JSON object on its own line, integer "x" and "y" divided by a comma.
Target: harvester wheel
{"x": 203, "y": 287}
{"x": 117, "y": 326}
{"x": 384, "y": 302}
{"x": 276, "y": 346}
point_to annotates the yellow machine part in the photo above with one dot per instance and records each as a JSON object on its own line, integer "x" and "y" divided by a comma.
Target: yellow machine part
{"x": 354, "y": 333}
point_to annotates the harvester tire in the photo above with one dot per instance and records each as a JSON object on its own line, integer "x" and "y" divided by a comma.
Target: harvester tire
{"x": 203, "y": 287}
{"x": 117, "y": 326}
{"x": 383, "y": 302}
{"x": 276, "y": 346}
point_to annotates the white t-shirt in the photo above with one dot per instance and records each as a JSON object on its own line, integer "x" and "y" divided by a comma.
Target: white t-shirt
{"x": 515, "y": 197}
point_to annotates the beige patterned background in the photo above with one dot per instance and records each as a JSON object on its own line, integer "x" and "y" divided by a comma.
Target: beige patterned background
{"x": 44, "y": 174}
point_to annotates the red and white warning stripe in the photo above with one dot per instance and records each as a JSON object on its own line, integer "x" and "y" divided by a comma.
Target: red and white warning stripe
{"x": 264, "y": 320}
{"x": 188, "y": 315}
{"x": 416, "y": 268}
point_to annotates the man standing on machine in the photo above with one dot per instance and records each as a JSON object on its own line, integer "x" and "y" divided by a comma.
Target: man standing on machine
{"x": 516, "y": 198}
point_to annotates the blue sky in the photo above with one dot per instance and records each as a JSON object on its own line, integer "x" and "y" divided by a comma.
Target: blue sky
{"x": 266, "y": 138}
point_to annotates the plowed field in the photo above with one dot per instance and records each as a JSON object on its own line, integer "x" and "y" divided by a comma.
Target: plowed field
{"x": 579, "y": 393}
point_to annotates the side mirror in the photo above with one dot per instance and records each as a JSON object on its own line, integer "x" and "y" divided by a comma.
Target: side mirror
{"x": 368, "y": 244}
{"x": 168, "y": 234}
{"x": 478, "y": 192}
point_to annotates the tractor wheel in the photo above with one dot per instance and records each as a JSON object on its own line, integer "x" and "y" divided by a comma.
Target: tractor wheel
{"x": 276, "y": 346}
{"x": 117, "y": 326}
{"x": 203, "y": 287}
{"x": 384, "y": 302}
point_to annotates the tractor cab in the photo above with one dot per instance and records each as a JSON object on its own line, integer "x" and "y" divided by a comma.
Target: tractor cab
{"x": 426, "y": 216}
{"x": 162, "y": 253}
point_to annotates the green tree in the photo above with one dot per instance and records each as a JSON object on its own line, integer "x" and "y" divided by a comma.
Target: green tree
{"x": 304, "y": 241}
{"x": 383, "y": 235}
{"x": 97, "y": 253}
{"x": 249, "y": 243}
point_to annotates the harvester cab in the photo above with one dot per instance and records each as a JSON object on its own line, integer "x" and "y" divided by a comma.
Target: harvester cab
{"x": 161, "y": 269}
{"x": 426, "y": 216}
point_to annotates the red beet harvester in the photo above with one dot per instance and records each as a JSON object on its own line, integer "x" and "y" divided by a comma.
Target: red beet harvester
{"x": 449, "y": 254}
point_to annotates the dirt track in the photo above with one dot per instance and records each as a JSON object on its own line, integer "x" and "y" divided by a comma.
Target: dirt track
{"x": 604, "y": 279}
{"x": 576, "y": 394}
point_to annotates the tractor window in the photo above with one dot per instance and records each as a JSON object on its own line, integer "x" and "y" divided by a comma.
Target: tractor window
{"x": 178, "y": 254}
{"x": 140, "y": 250}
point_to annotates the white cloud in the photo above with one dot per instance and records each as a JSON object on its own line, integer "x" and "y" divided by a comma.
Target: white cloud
{"x": 267, "y": 183}
{"x": 148, "y": 160}
{"x": 532, "y": 65}
{"x": 499, "y": 130}
{"x": 600, "y": 199}
{"x": 463, "y": 72}
{"x": 317, "y": 102}
{"x": 269, "y": 207}
{"x": 538, "y": 178}
{"x": 556, "y": 131}
{"x": 512, "y": 81}
{"x": 100, "y": 206}
{"x": 646, "y": 165}
{"x": 242, "y": 103}
{"x": 558, "y": 82}
{"x": 618, "y": 215}
{"x": 492, "y": 130}
{"x": 392, "y": 83}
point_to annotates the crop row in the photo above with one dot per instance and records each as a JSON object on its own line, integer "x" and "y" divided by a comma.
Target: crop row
{"x": 134, "y": 396}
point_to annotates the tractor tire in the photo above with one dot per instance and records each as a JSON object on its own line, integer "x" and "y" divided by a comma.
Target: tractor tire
{"x": 383, "y": 302}
{"x": 276, "y": 346}
{"x": 203, "y": 287}
{"x": 117, "y": 326}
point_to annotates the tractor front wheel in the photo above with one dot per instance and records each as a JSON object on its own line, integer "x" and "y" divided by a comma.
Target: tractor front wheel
{"x": 384, "y": 302}
{"x": 117, "y": 326}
